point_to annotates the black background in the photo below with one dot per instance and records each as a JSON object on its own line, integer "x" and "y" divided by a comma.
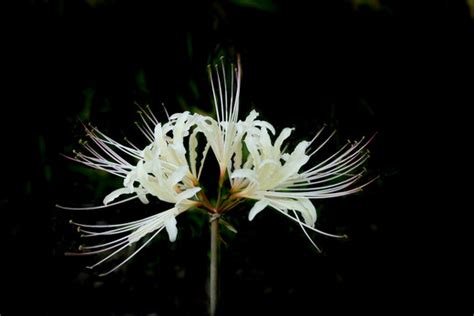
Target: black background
{"x": 401, "y": 68}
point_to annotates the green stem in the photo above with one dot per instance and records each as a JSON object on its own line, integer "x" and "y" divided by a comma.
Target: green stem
{"x": 213, "y": 266}
{"x": 219, "y": 191}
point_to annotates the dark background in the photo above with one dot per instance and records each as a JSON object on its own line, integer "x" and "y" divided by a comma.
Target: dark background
{"x": 401, "y": 68}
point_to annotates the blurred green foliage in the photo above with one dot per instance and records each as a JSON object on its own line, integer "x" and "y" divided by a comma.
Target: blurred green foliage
{"x": 264, "y": 5}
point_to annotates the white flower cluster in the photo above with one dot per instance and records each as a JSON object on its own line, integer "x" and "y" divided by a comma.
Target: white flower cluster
{"x": 255, "y": 167}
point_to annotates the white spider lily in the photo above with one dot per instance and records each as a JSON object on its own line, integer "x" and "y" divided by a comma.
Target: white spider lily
{"x": 161, "y": 169}
{"x": 274, "y": 177}
{"x": 258, "y": 169}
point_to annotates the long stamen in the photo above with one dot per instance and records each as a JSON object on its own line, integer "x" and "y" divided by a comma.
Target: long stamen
{"x": 109, "y": 256}
{"x": 317, "y": 135}
{"x": 145, "y": 122}
{"x": 90, "y": 164}
{"x": 306, "y": 233}
{"x": 112, "y": 154}
{"x": 96, "y": 207}
{"x": 113, "y": 242}
{"x": 223, "y": 113}
{"x": 319, "y": 188}
{"x": 95, "y": 252}
{"x": 166, "y": 112}
{"x": 324, "y": 143}
{"x": 238, "y": 74}
{"x": 232, "y": 92}
{"x": 321, "y": 195}
{"x": 115, "y": 225}
{"x": 148, "y": 113}
{"x": 226, "y": 105}
{"x": 148, "y": 136}
{"x": 133, "y": 254}
{"x": 100, "y": 161}
{"x": 216, "y": 104}
{"x": 131, "y": 144}
{"x": 134, "y": 152}
{"x": 308, "y": 226}
{"x": 128, "y": 227}
{"x": 347, "y": 155}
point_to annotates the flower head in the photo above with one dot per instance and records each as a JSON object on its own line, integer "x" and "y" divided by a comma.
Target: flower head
{"x": 257, "y": 168}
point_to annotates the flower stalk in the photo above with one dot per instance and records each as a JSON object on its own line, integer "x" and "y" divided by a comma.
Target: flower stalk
{"x": 214, "y": 262}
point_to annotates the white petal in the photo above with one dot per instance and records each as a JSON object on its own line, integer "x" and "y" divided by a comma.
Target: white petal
{"x": 266, "y": 125}
{"x": 180, "y": 126}
{"x": 265, "y": 143}
{"x": 178, "y": 175}
{"x": 296, "y": 160}
{"x": 115, "y": 194}
{"x": 193, "y": 143}
{"x": 171, "y": 228}
{"x": 285, "y": 133}
{"x": 251, "y": 117}
{"x": 187, "y": 194}
{"x": 252, "y": 147}
{"x": 238, "y": 155}
{"x": 303, "y": 205}
{"x": 179, "y": 149}
{"x": 130, "y": 178}
{"x": 245, "y": 173}
{"x": 248, "y": 163}
{"x": 203, "y": 159}
{"x": 257, "y": 208}
{"x": 143, "y": 198}
{"x": 159, "y": 136}
{"x": 141, "y": 172}
{"x": 308, "y": 211}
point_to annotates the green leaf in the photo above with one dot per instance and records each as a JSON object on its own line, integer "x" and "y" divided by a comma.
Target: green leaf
{"x": 228, "y": 225}
{"x": 263, "y": 5}
{"x": 470, "y": 3}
